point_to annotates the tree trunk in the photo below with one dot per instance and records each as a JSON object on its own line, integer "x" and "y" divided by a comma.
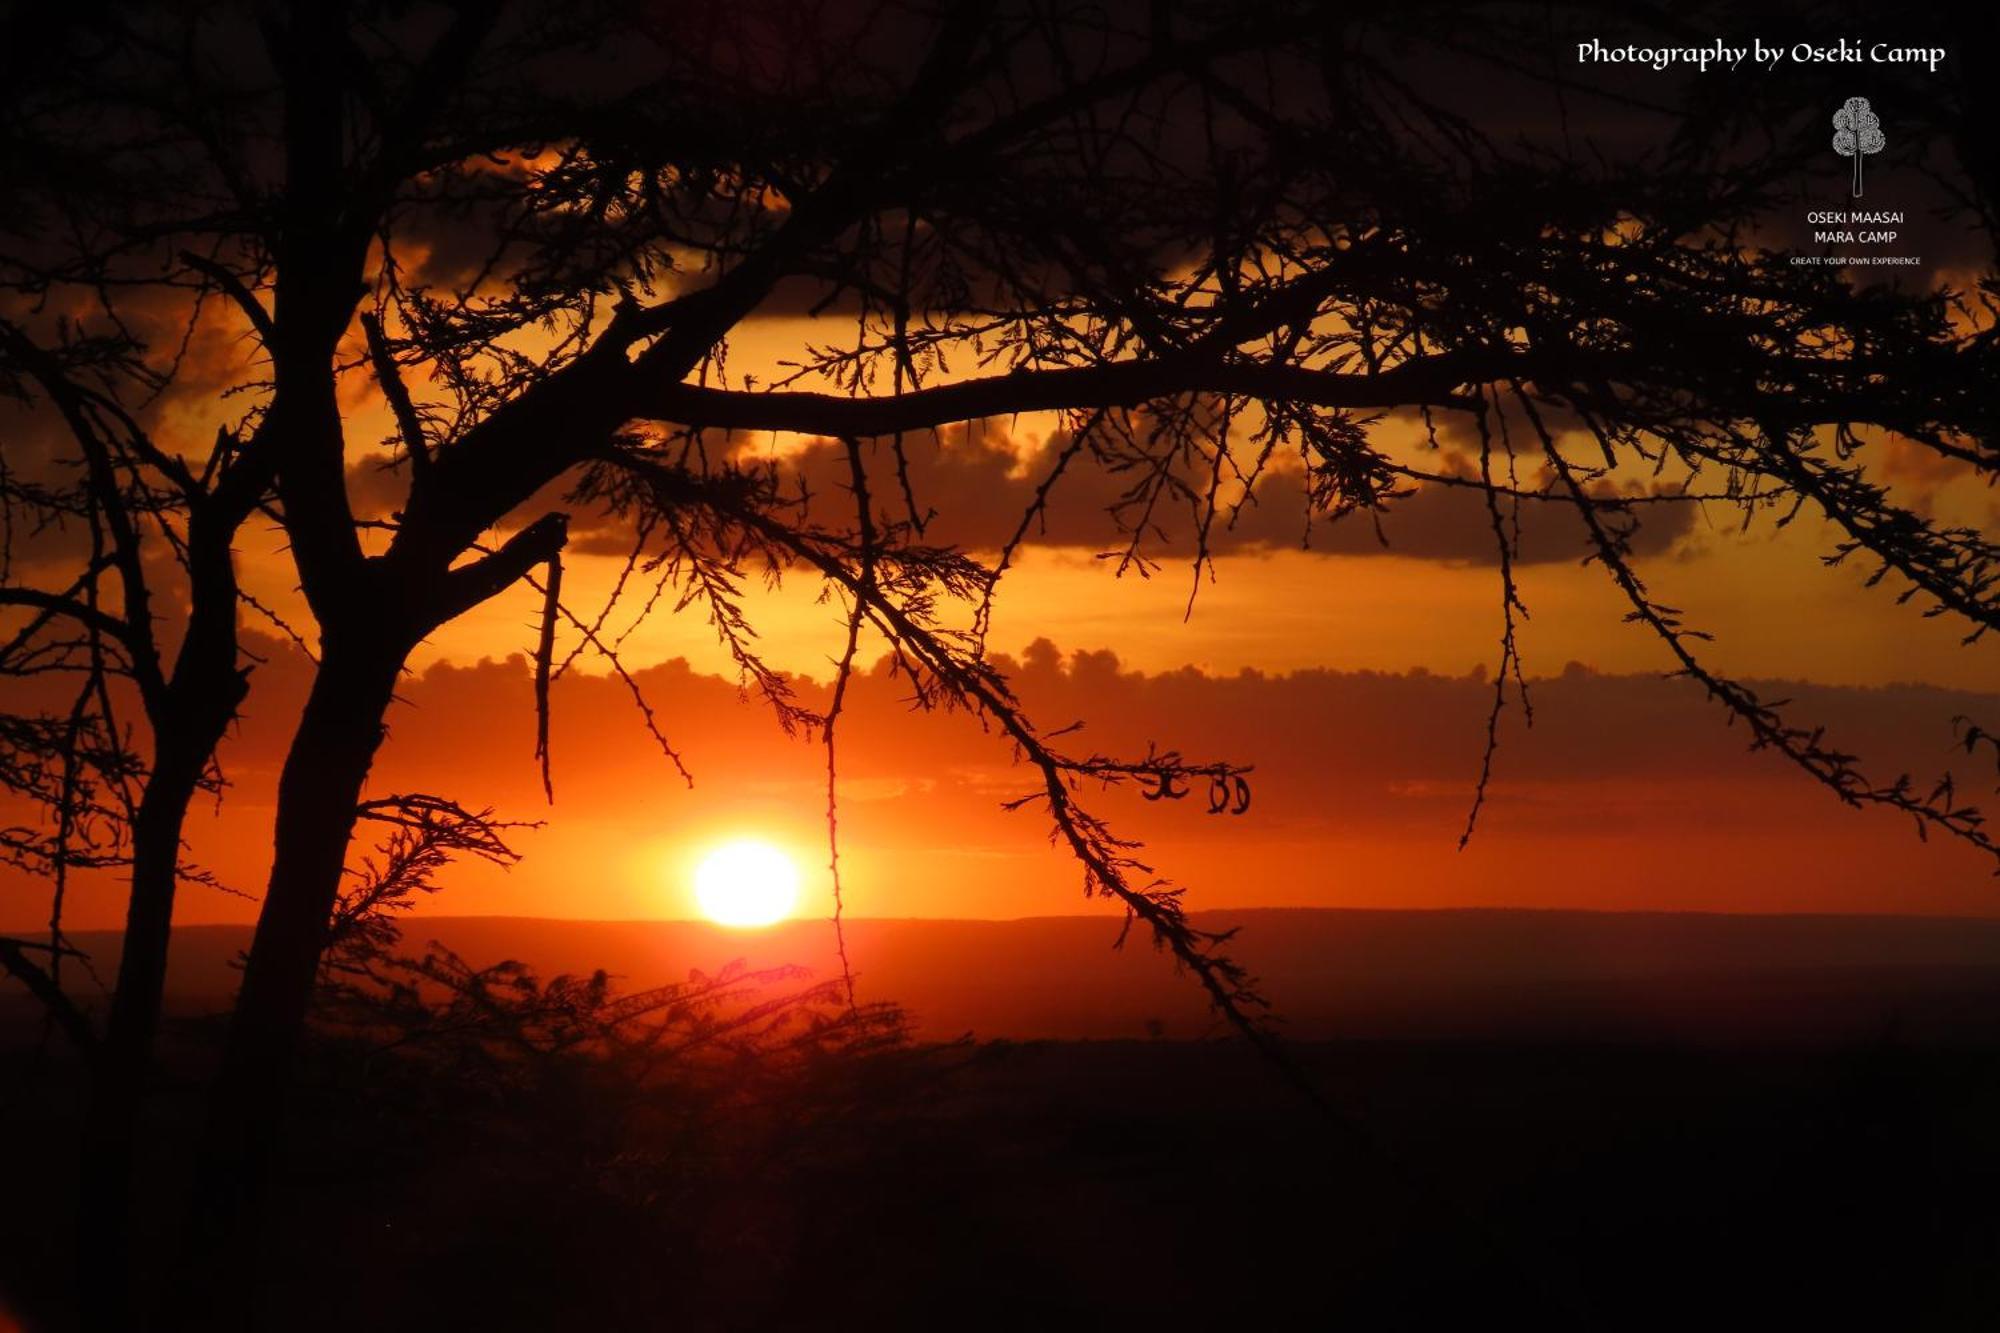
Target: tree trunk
{"x": 202, "y": 698}
{"x": 104, "y": 1239}
{"x": 318, "y": 790}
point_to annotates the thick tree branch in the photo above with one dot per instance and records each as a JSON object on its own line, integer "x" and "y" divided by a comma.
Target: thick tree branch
{"x": 232, "y": 287}
{"x": 1435, "y": 381}
{"x": 469, "y": 585}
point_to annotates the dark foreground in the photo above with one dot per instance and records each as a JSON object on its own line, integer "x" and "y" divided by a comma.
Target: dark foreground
{"x": 1133, "y": 1184}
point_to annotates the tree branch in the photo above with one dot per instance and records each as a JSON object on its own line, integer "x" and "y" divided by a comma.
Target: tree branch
{"x": 469, "y": 585}
{"x": 1433, "y": 380}
{"x": 56, "y": 604}
{"x": 408, "y": 423}
{"x": 72, "y": 1020}
{"x": 232, "y": 287}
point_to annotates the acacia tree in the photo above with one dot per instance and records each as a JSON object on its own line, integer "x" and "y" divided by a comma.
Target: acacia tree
{"x": 122, "y": 649}
{"x": 1147, "y": 226}
{"x": 1214, "y": 243}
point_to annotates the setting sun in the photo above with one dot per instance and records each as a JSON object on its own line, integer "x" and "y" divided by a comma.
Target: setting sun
{"x": 746, "y": 883}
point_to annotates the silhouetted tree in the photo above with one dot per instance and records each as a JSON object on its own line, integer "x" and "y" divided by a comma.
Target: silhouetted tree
{"x": 1215, "y": 240}
{"x": 118, "y": 570}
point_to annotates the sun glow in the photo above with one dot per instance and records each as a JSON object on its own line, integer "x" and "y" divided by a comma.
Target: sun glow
{"x": 746, "y": 883}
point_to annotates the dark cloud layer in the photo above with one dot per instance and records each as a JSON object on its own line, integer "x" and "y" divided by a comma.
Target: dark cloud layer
{"x": 980, "y": 493}
{"x": 974, "y": 492}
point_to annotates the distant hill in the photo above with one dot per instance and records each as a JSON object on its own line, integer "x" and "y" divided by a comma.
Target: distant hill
{"x": 1447, "y": 975}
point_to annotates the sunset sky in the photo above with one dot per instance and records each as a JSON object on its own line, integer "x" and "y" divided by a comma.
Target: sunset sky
{"x": 1352, "y": 675}
{"x": 789, "y": 662}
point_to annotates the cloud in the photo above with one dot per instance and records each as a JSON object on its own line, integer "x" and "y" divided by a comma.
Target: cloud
{"x": 975, "y": 487}
{"x": 1366, "y": 736}
{"x": 979, "y": 488}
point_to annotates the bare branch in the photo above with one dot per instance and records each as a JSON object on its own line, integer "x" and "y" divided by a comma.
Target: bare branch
{"x": 74, "y": 1023}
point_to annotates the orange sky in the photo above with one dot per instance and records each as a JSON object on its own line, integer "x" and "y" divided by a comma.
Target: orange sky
{"x": 1628, "y": 793}
{"x": 1363, "y": 782}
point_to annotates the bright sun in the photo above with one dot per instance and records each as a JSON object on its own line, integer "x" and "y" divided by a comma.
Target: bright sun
{"x": 746, "y": 883}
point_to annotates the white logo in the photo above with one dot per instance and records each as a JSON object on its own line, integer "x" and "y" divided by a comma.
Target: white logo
{"x": 1857, "y": 131}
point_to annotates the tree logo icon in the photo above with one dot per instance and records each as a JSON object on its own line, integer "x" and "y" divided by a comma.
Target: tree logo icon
{"x": 1857, "y": 132}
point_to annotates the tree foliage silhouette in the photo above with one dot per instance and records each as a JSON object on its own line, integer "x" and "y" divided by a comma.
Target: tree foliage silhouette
{"x": 1210, "y": 242}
